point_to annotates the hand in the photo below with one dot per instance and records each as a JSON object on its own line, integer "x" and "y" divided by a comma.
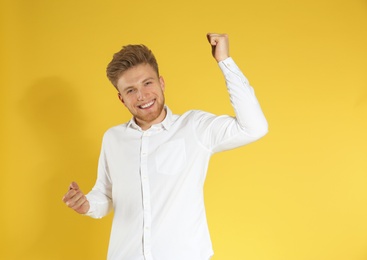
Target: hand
{"x": 220, "y": 45}
{"x": 75, "y": 199}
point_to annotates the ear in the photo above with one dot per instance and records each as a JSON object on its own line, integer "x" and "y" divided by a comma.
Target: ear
{"x": 120, "y": 98}
{"x": 162, "y": 83}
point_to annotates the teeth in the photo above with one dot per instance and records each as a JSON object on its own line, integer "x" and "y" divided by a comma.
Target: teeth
{"x": 147, "y": 105}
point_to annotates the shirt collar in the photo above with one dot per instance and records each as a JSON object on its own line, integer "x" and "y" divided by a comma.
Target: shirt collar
{"x": 165, "y": 124}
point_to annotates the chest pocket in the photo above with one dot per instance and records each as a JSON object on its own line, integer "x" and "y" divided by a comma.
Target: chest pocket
{"x": 171, "y": 157}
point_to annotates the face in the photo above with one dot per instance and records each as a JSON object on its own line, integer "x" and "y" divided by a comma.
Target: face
{"x": 141, "y": 91}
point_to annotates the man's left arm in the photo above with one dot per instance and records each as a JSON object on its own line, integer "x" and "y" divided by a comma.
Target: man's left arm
{"x": 249, "y": 123}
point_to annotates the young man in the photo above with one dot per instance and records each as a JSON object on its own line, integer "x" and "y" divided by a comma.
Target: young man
{"x": 152, "y": 169}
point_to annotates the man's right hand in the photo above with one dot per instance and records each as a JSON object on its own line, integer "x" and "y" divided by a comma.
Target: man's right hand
{"x": 76, "y": 199}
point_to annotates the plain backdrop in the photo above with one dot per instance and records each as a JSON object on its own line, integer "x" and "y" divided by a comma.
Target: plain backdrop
{"x": 300, "y": 193}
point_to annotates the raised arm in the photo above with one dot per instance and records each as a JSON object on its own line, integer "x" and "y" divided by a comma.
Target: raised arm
{"x": 219, "y": 133}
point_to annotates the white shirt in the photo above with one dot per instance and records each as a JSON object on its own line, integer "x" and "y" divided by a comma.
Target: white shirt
{"x": 154, "y": 179}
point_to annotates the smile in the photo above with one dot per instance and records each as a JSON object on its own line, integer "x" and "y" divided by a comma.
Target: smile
{"x": 147, "y": 105}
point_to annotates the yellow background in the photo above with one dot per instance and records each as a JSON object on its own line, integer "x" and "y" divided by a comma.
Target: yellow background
{"x": 300, "y": 193}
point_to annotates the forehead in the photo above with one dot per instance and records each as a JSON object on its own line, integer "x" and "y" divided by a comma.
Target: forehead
{"x": 136, "y": 75}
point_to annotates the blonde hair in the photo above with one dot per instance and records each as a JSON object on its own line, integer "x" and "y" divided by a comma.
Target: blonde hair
{"x": 128, "y": 57}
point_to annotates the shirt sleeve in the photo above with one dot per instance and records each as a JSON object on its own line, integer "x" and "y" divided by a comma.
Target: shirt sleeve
{"x": 100, "y": 197}
{"x": 219, "y": 133}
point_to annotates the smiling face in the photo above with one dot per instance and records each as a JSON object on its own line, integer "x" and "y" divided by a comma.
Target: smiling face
{"x": 141, "y": 91}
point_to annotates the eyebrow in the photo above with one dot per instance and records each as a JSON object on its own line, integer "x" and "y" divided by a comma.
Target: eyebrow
{"x": 145, "y": 80}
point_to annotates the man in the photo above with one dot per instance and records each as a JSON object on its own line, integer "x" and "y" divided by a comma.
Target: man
{"x": 152, "y": 169}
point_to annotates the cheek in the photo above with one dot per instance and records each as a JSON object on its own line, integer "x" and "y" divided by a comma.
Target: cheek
{"x": 161, "y": 93}
{"x": 123, "y": 101}
{"x": 127, "y": 102}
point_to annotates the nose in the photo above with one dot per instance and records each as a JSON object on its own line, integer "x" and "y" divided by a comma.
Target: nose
{"x": 140, "y": 94}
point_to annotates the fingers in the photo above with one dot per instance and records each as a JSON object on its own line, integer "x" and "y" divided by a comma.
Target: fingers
{"x": 73, "y": 189}
{"x": 72, "y": 197}
{"x": 74, "y": 186}
{"x": 78, "y": 202}
{"x": 75, "y": 199}
{"x": 214, "y": 38}
{"x": 220, "y": 45}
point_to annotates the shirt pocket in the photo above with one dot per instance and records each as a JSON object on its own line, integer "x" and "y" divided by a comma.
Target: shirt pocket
{"x": 171, "y": 157}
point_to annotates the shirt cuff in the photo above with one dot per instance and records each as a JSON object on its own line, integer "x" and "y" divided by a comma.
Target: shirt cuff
{"x": 91, "y": 208}
{"x": 228, "y": 65}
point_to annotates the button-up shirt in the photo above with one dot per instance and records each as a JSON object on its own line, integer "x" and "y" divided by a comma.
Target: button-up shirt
{"x": 153, "y": 179}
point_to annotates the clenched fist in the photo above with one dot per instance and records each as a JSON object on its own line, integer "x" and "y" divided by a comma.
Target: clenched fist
{"x": 220, "y": 45}
{"x": 76, "y": 199}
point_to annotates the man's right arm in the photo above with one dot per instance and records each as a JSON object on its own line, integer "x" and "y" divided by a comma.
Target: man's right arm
{"x": 98, "y": 202}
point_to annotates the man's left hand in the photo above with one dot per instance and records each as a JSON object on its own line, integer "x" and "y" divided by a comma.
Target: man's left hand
{"x": 220, "y": 45}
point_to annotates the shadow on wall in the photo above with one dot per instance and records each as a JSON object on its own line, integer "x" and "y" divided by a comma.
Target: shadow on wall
{"x": 63, "y": 154}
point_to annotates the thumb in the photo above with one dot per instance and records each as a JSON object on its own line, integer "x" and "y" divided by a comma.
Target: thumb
{"x": 74, "y": 186}
{"x": 211, "y": 39}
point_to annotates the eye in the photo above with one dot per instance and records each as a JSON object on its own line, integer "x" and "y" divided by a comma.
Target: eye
{"x": 148, "y": 83}
{"x": 129, "y": 91}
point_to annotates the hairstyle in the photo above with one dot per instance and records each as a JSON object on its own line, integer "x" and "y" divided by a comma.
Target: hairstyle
{"x": 128, "y": 57}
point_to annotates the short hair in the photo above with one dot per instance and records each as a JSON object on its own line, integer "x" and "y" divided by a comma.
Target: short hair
{"x": 128, "y": 57}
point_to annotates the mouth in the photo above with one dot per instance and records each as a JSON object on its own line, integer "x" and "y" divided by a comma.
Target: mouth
{"x": 147, "y": 105}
